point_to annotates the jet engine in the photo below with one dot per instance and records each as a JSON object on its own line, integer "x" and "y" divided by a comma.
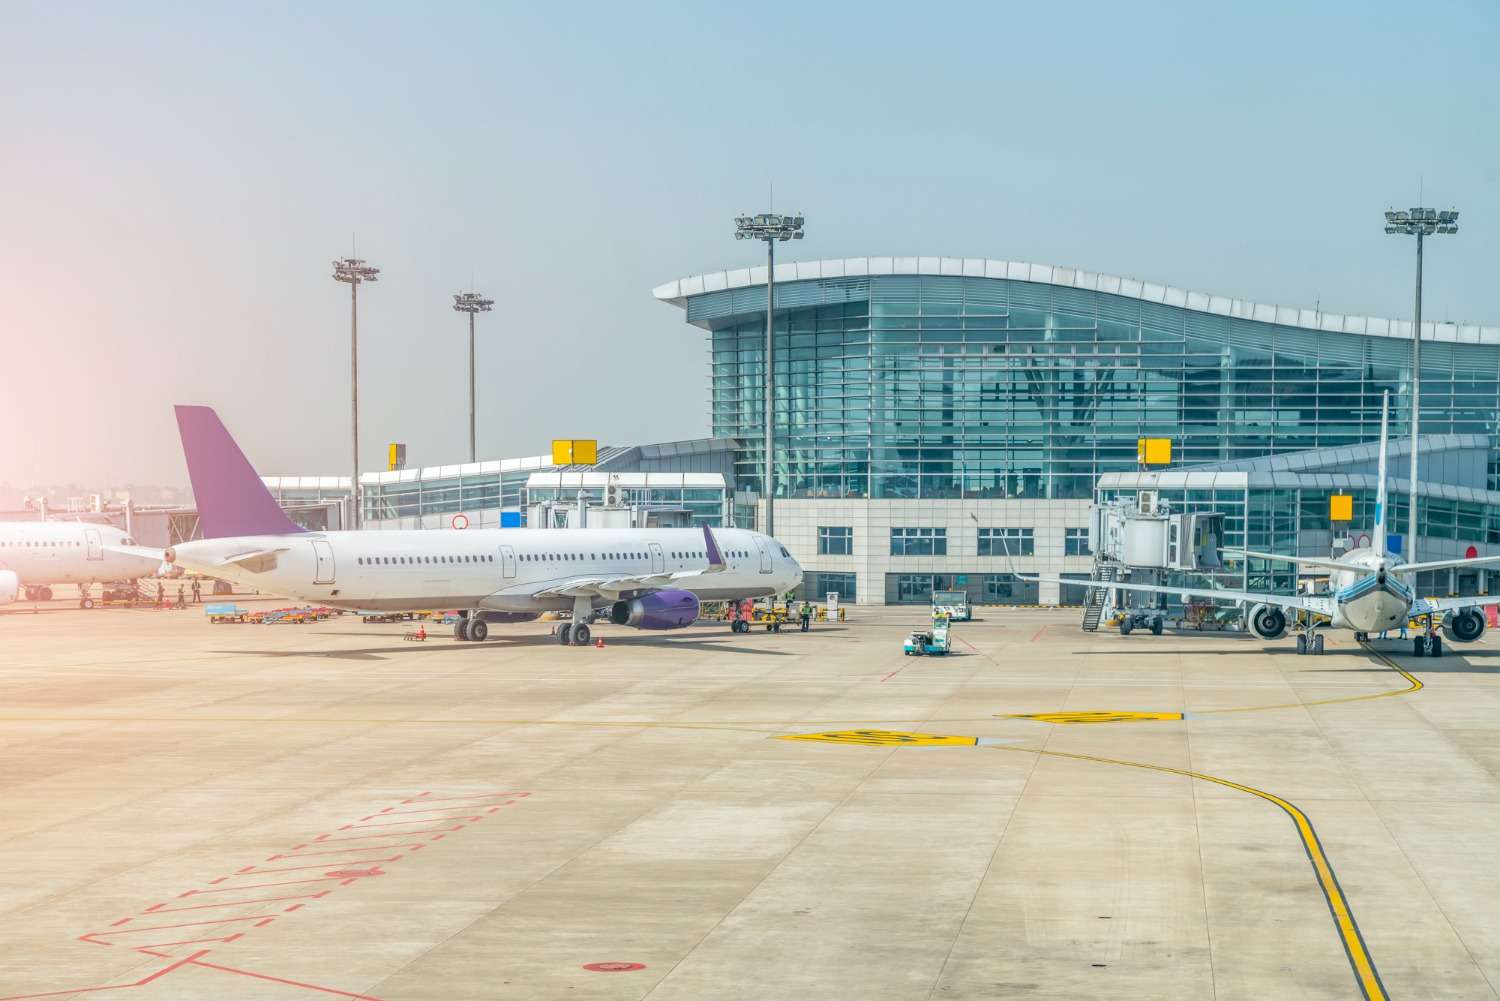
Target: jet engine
{"x": 10, "y": 586}
{"x": 658, "y": 610}
{"x": 1464, "y": 625}
{"x": 1268, "y": 622}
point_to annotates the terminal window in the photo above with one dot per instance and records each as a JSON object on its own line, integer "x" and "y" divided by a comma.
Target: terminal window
{"x": 1076, "y": 542}
{"x": 1006, "y": 542}
{"x": 919, "y": 542}
{"x": 834, "y": 541}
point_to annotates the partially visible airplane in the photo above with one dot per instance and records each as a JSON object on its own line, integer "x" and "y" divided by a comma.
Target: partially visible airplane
{"x": 1366, "y": 592}
{"x": 34, "y": 555}
{"x": 646, "y": 578}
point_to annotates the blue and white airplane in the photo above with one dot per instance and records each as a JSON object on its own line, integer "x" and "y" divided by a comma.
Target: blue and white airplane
{"x": 1369, "y": 590}
{"x": 645, "y": 578}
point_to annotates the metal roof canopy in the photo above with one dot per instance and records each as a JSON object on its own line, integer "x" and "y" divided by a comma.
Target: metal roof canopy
{"x": 679, "y": 291}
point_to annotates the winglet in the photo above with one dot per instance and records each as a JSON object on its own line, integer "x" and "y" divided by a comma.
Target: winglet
{"x": 231, "y": 498}
{"x": 715, "y": 558}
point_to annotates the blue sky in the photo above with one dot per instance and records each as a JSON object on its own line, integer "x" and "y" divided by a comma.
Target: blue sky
{"x": 177, "y": 181}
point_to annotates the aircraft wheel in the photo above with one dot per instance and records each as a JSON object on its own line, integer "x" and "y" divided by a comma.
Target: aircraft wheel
{"x": 1436, "y": 650}
{"x": 1418, "y": 647}
{"x": 1318, "y": 644}
{"x": 581, "y": 635}
{"x": 1302, "y": 643}
{"x": 564, "y": 633}
{"x": 1125, "y": 626}
{"x": 1156, "y": 627}
{"x": 86, "y": 603}
{"x": 460, "y": 629}
{"x": 479, "y": 630}
{"x": 46, "y": 594}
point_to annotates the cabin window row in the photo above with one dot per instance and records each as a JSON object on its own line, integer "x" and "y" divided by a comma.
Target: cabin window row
{"x": 366, "y": 561}
{"x": 39, "y": 545}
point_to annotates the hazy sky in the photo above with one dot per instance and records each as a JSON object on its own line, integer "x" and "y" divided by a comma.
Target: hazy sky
{"x": 177, "y": 177}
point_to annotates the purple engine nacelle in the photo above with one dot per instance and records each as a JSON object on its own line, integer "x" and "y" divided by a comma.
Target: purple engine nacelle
{"x": 658, "y": 610}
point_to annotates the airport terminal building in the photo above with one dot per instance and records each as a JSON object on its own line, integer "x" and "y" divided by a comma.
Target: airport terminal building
{"x": 946, "y": 422}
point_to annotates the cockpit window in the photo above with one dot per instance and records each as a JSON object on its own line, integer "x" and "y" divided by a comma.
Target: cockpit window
{"x": 785, "y": 553}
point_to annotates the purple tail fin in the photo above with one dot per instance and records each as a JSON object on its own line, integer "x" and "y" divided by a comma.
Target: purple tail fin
{"x": 231, "y": 498}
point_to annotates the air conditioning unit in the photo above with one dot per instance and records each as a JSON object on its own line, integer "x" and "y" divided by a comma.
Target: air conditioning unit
{"x": 1145, "y": 502}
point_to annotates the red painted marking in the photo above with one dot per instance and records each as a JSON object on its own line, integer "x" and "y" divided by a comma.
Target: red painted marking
{"x": 251, "y": 886}
{"x": 278, "y": 980}
{"x": 971, "y": 646}
{"x": 492, "y": 809}
{"x": 888, "y": 677}
{"x": 121, "y": 922}
{"x": 94, "y": 936}
{"x": 401, "y": 823}
{"x": 241, "y": 903}
{"x": 402, "y": 834}
{"x": 345, "y": 851}
{"x": 252, "y": 871}
{"x": 1037, "y": 633}
{"x": 116, "y": 987}
{"x": 477, "y": 795}
{"x": 614, "y": 967}
{"x": 219, "y": 880}
{"x": 262, "y": 924}
{"x": 292, "y": 908}
{"x": 435, "y": 809}
{"x": 356, "y": 873}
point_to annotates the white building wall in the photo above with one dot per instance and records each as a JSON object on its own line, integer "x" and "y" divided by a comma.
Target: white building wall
{"x": 797, "y": 522}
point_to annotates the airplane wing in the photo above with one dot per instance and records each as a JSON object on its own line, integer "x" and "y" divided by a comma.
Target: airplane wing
{"x": 1305, "y": 561}
{"x": 1309, "y": 602}
{"x": 140, "y": 552}
{"x": 611, "y": 586}
{"x": 1423, "y": 606}
{"x": 1444, "y": 564}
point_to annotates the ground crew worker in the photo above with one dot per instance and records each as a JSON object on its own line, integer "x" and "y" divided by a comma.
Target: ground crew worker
{"x": 161, "y": 593}
{"x": 806, "y": 615}
{"x": 197, "y": 592}
{"x": 181, "y": 598}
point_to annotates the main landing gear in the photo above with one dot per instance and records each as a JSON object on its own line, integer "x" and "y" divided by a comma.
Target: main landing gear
{"x": 1310, "y": 643}
{"x": 576, "y": 633}
{"x": 1429, "y": 644}
{"x": 471, "y": 627}
{"x": 39, "y": 594}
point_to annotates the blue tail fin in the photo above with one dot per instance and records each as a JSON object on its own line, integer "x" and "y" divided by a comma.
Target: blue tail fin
{"x": 231, "y": 498}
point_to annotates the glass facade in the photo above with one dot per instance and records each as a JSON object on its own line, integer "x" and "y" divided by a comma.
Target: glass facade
{"x": 940, "y": 386}
{"x": 835, "y": 541}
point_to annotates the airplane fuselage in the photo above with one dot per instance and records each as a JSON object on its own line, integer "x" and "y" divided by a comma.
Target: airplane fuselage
{"x": 1373, "y": 600}
{"x": 67, "y": 552}
{"x": 488, "y": 569}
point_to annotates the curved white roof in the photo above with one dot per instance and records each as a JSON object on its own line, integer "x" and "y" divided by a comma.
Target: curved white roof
{"x": 679, "y": 291}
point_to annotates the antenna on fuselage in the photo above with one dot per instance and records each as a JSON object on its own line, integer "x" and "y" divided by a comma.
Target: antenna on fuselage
{"x": 1380, "y": 492}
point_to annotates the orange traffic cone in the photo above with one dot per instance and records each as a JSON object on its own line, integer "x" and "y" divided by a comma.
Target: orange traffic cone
{"x": 599, "y": 644}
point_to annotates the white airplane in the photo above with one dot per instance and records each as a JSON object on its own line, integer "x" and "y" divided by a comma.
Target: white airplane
{"x": 1369, "y": 590}
{"x": 646, "y": 578}
{"x": 34, "y": 555}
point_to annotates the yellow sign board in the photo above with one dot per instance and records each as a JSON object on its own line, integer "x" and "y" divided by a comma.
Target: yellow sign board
{"x": 1340, "y": 507}
{"x": 571, "y": 451}
{"x": 1153, "y": 451}
{"x": 395, "y": 456}
{"x": 1096, "y": 717}
{"x": 884, "y": 738}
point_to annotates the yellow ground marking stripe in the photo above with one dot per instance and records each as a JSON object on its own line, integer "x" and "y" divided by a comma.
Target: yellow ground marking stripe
{"x": 1360, "y": 961}
{"x": 1413, "y": 685}
{"x": 884, "y": 738}
{"x": 1093, "y": 716}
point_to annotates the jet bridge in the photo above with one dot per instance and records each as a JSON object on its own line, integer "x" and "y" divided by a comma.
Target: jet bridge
{"x": 1140, "y": 540}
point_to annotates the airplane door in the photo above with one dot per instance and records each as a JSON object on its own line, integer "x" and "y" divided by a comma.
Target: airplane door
{"x": 324, "y": 553}
{"x": 658, "y": 558}
{"x": 91, "y": 539}
{"x": 508, "y": 558}
{"x": 765, "y": 555}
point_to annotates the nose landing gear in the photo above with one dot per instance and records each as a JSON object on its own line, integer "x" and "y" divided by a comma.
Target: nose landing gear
{"x": 1310, "y": 643}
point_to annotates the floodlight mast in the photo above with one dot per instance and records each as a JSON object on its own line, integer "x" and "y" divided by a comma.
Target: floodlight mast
{"x": 353, "y": 271}
{"x": 772, "y": 229}
{"x": 471, "y": 303}
{"x": 1421, "y": 223}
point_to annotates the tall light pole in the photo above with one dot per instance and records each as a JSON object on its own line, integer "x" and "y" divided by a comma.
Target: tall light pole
{"x": 1421, "y": 223}
{"x": 773, "y": 229}
{"x": 353, "y": 271}
{"x": 471, "y": 303}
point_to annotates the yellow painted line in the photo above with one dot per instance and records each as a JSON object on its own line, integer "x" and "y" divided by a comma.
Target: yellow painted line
{"x": 1096, "y": 716}
{"x": 1412, "y": 685}
{"x": 1358, "y": 954}
{"x": 884, "y": 738}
